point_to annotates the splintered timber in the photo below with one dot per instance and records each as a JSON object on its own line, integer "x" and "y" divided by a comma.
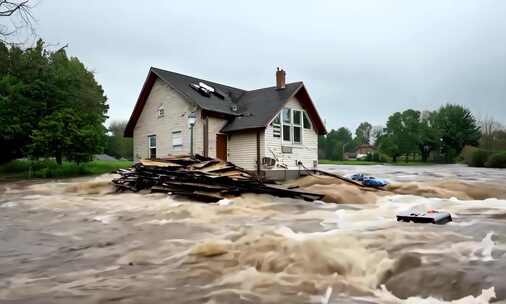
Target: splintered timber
{"x": 200, "y": 178}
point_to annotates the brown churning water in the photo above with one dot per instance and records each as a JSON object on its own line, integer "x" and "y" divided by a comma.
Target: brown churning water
{"x": 75, "y": 241}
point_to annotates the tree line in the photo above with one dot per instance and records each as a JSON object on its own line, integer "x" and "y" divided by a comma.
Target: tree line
{"x": 51, "y": 106}
{"x": 436, "y": 135}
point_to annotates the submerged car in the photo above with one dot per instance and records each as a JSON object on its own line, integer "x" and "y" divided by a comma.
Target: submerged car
{"x": 358, "y": 177}
{"x": 369, "y": 181}
{"x": 373, "y": 182}
{"x": 430, "y": 216}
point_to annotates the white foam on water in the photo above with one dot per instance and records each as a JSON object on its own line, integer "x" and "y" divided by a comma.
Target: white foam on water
{"x": 159, "y": 222}
{"x": 483, "y": 251}
{"x": 9, "y": 205}
{"x": 484, "y": 298}
{"x": 224, "y": 202}
{"x": 383, "y": 213}
{"x": 290, "y": 234}
{"x": 104, "y": 219}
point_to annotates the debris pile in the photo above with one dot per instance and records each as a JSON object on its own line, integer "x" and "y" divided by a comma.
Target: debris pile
{"x": 201, "y": 178}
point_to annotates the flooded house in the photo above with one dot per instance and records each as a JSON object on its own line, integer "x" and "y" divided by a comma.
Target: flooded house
{"x": 271, "y": 131}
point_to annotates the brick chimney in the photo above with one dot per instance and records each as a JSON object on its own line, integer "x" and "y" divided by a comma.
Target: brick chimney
{"x": 280, "y": 79}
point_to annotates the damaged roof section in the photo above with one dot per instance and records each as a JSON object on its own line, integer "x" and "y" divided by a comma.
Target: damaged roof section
{"x": 244, "y": 109}
{"x": 214, "y": 103}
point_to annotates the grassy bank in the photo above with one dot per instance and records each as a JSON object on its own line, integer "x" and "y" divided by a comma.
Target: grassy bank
{"x": 50, "y": 169}
{"x": 365, "y": 163}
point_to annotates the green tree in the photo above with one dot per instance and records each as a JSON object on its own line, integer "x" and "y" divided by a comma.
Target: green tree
{"x": 401, "y": 135}
{"x": 429, "y": 135}
{"x": 363, "y": 133}
{"x": 334, "y": 143}
{"x": 25, "y": 91}
{"x": 387, "y": 144}
{"x": 50, "y": 106}
{"x": 117, "y": 145}
{"x": 457, "y": 127}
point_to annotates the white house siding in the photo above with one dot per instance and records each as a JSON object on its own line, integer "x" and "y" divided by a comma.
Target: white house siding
{"x": 214, "y": 127}
{"x": 198, "y": 135}
{"x": 307, "y": 152}
{"x": 175, "y": 118}
{"x": 242, "y": 149}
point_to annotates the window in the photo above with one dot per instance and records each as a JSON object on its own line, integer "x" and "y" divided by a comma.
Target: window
{"x": 177, "y": 140}
{"x": 307, "y": 123}
{"x": 291, "y": 125}
{"x": 297, "y": 136}
{"x": 152, "y": 146}
{"x": 161, "y": 111}
{"x": 297, "y": 126}
{"x": 286, "y": 133}
{"x": 297, "y": 117}
{"x": 287, "y": 116}
{"x": 287, "y": 121}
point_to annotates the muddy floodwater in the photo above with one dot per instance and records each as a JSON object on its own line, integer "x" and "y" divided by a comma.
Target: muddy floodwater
{"x": 75, "y": 241}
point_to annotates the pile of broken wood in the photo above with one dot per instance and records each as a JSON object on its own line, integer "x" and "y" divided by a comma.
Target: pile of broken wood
{"x": 200, "y": 178}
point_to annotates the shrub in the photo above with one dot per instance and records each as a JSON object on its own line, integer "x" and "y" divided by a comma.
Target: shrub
{"x": 496, "y": 160}
{"x": 375, "y": 157}
{"x": 479, "y": 157}
{"x": 466, "y": 154}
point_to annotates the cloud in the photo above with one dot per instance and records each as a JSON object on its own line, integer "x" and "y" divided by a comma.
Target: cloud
{"x": 361, "y": 60}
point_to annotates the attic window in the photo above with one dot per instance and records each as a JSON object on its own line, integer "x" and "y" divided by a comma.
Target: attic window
{"x": 161, "y": 111}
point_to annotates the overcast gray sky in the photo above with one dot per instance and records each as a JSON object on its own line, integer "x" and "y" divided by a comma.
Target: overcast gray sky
{"x": 360, "y": 60}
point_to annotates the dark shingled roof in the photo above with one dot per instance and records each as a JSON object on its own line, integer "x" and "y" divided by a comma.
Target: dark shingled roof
{"x": 255, "y": 108}
{"x": 258, "y": 107}
{"x": 181, "y": 83}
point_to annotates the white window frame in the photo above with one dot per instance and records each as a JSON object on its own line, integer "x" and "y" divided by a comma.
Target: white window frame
{"x": 179, "y": 144}
{"x": 283, "y": 124}
{"x": 295, "y": 125}
{"x": 292, "y": 125}
{"x": 151, "y": 147}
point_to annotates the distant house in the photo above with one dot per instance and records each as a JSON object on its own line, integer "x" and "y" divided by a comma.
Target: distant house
{"x": 273, "y": 128}
{"x": 363, "y": 150}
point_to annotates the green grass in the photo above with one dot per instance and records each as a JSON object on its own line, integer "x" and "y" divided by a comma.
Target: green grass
{"x": 365, "y": 163}
{"x": 50, "y": 169}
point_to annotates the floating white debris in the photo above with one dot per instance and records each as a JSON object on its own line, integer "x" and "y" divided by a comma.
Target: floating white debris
{"x": 9, "y": 205}
{"x": 224, "y": 202}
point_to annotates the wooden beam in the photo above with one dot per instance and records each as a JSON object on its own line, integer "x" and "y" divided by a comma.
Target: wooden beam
{"x": 258, "y": 154}
{"x": 206, "y": 136}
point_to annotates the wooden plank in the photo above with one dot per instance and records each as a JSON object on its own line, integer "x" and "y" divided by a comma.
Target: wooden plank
{"x": 161, "y": 164}
{"x": 204, "y": 164}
